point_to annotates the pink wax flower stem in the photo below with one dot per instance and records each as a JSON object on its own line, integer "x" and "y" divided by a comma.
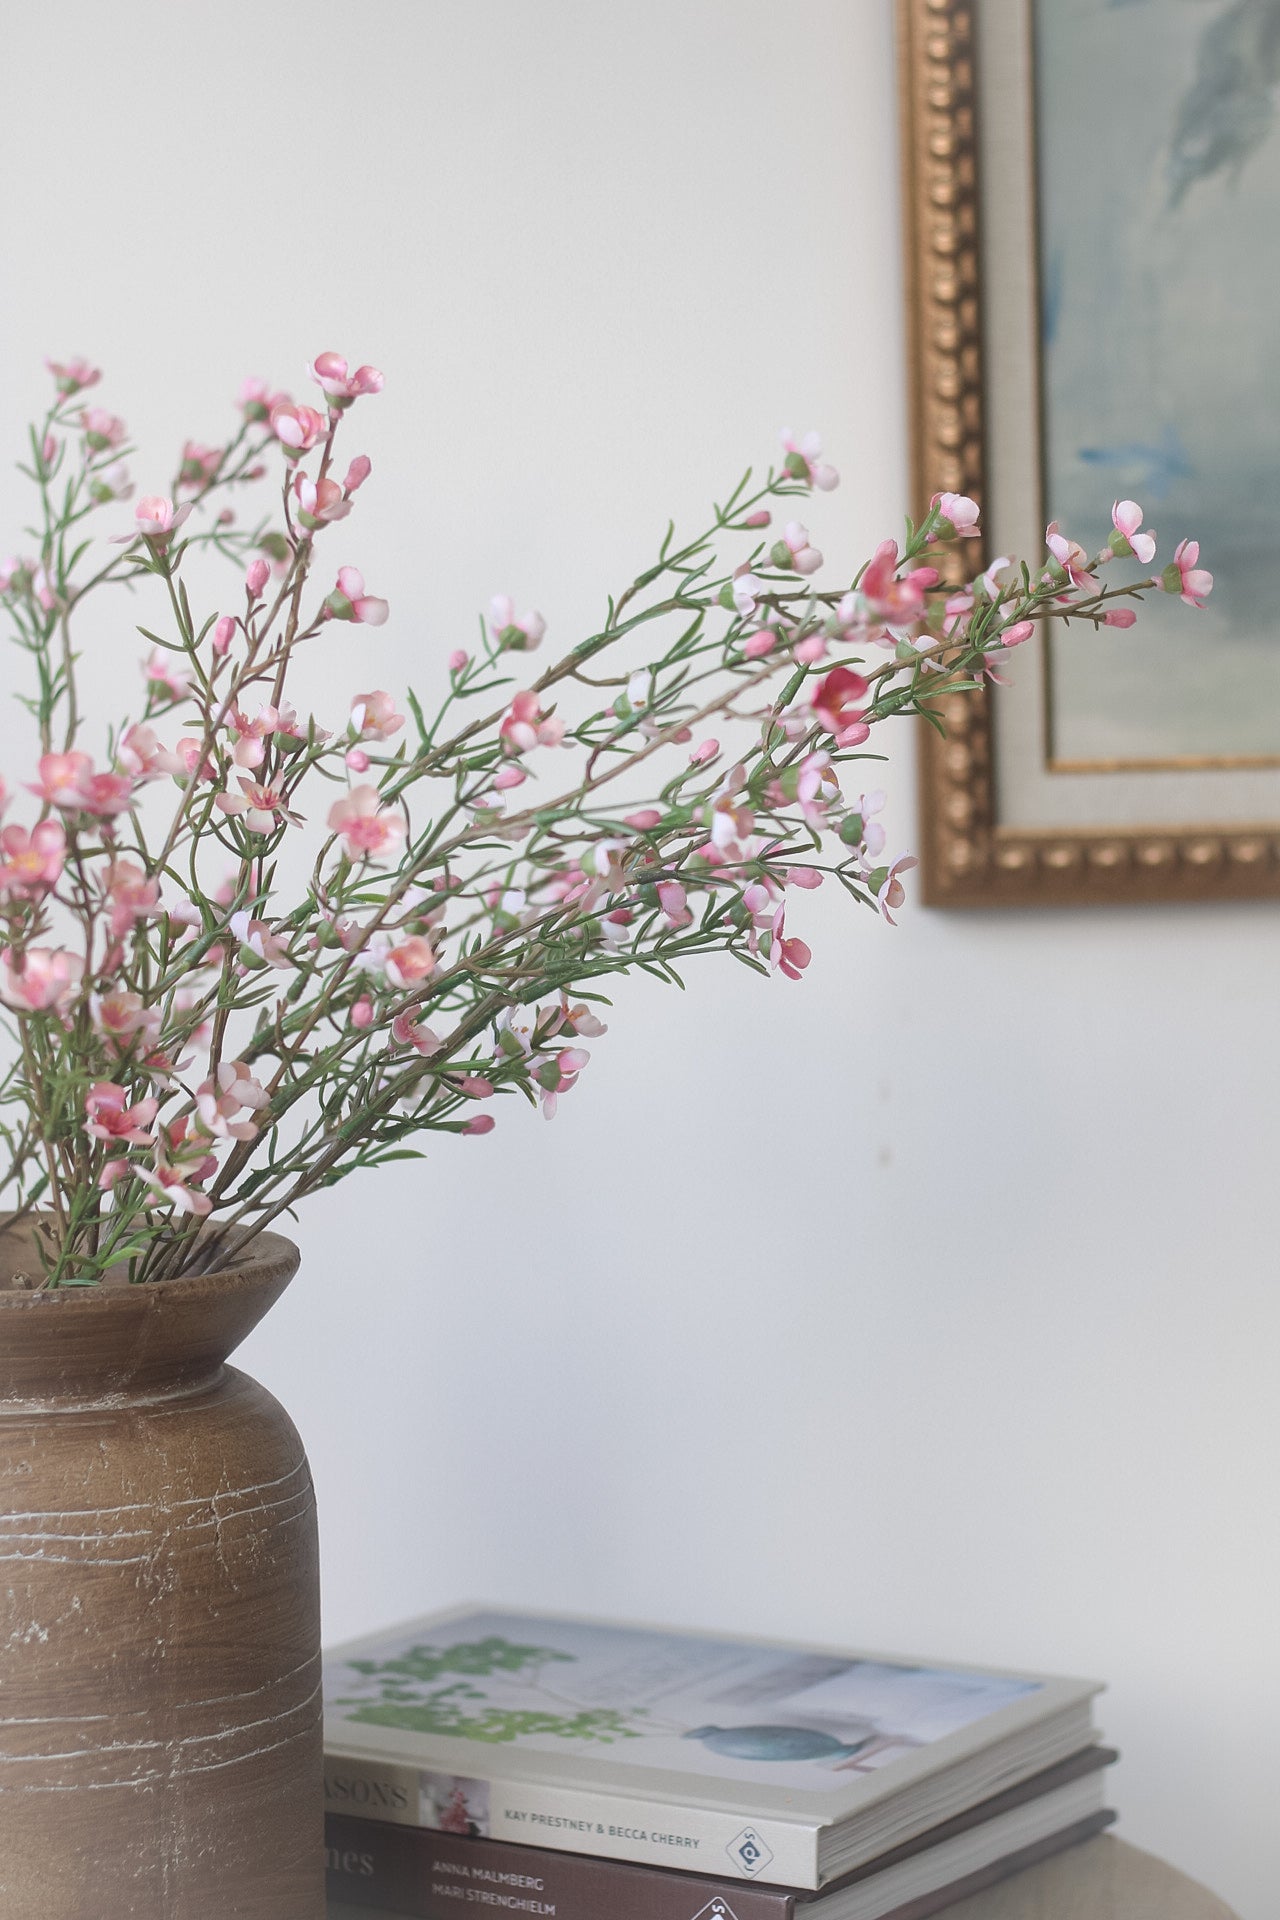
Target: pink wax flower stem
{"x": 227, "y": 913}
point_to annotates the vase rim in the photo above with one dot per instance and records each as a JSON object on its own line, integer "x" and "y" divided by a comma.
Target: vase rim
{"x": 120, "y": 1338}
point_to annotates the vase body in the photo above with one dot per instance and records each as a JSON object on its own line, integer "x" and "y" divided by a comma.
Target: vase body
{"x": 160, "y": 1714}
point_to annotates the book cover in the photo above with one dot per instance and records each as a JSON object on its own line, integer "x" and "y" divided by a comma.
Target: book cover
{"x": 677, "y": 1749}
{"x": 431, "y": 1875}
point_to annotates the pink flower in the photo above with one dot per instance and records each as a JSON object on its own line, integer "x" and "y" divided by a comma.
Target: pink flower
{"x": 224, "y": 633}
{"x": 757, "y": 645}
{"x": 804, "y": 461}
{"x": 318, "y": 502}
{"x": 182, "y": 1160}
{"x": 118, "y": 1015}
{"x": 298, "y": 429}
{"x": 706, "y": 750}
{"x": 559, "y": 1075}
{"x": 258, "y": 943}
{"x": 110, "y": 1117}
{"x": 157, "y": 517}
{"x": 817, "y": 787}
{"x": 406, "y": 1033}
{"x": 256, "y": 576}
{"x": 199, "y": 465}
{"x": 458, "y": 659}
{"x": 888, "y": 889}
{"x": 898, "y": 602}
{"x": 74, "y": 376}
{"x": 132, "y": 895}
{"x": 673, "y": 901}
{"x": 581, "y": 1020}
{"x": 362, "y": 1013}
{"x": 102, "y": 430}
{"x": 32, "y": 861}
{"x": 958, "y": 513}
{"x": 256, "y": 399}
{"x": 225, "y": 1096}
{"x": 358, "y": 472}
{"x": 111, "y": 483}
{"x": 67, "y": 780}
{"x": 483, "y": 1123}
{"x": 329, "y": 371}
{"x": 1117, "y": 617}
{"x": 836, "y": 706}
{"x": 742, "y": 592}
{"x": 1126, "y": 541}
{"x": 41, "y": 978}
{"x": 374, "y": 716}
{"x": 261, "y": 806}
{"x": 349, "y": 601}
{"x": 789, "y": 957}
{"x": 142, "y": 756}
{"x": 166, "y": 674}
{"x": 525, "y": 725}
{"x": 1071, "y": 558}
{"x": 515, "y": 633}
{"x": 191, "y": 761}
{"x": 251, "y": 735}
{"x": 1015, "y": 635}
{"x": 1184, "y": 577}
{"x": 643, "y": 820}
{"x": 793, "y": 551}
{"x": 410, "y": 962}
{"x": 368, "y": 828}
{"x": 810, "y": 650}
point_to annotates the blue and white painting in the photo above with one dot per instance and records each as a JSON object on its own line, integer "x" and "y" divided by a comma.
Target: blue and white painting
{"x": 1158, "y": 136}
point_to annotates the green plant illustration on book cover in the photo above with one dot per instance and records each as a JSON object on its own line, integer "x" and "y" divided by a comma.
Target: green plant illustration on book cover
{"x": 645, "y": 1697}
{"x": 452, "y": 1710}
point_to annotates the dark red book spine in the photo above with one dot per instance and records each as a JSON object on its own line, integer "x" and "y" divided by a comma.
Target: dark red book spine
{"x": 440, "y": 1876}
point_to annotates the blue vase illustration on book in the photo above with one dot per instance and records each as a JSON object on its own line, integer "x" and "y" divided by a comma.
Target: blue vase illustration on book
{"x": 778, "y": 1743}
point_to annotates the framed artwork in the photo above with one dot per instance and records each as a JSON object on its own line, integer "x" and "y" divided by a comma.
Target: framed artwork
{"x": 1092, "y": 199}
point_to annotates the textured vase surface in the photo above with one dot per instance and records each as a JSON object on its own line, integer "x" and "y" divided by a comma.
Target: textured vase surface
{"x": 160, "y": 1713}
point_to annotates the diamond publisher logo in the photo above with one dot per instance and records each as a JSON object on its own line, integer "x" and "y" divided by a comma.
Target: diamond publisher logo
{"x": 749, "y": 1852}
{"x": 715, "y": 1910}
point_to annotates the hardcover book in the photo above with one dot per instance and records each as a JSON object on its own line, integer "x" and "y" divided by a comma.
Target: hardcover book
{"x": 426, "y": 1875}
{"x": 770, "y": 1762}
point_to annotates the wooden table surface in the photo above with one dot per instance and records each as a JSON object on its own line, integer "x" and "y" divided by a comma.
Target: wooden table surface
{"x": 1102, "y": 1880}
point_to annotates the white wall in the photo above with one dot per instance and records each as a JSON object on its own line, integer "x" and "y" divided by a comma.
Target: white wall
{"x": 929, "y": 1303}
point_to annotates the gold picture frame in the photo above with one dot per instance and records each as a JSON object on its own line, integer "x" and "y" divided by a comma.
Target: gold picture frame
{"x": 974, "y": 853}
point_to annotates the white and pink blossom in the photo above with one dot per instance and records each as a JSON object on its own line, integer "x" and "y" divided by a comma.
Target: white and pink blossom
{"x": 512, "y": 631}
{"x": 369, "y": 830}
{"x": 329, "y": 371}
{"x": 111, "y": 1117}
{"x": 374, "y": 716}
{"x": 349, "y": 601}
{"x": 525, "y": 726}
{"x": 804, "y": 461}
{"x": 31, "y": 863}
{"x": 794, "y": 551}
{"x": 1185, "y": 576}
{"x": 1127, "y": 541}
{"x": 225, "y": 1099}
{"x": 39, "y": 979}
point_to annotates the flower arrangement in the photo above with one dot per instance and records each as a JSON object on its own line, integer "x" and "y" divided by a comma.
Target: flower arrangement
{"x": 246, "y": 952}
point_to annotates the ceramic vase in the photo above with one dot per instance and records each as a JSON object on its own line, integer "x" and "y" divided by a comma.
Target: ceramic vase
{"x": 160, "y": 1714}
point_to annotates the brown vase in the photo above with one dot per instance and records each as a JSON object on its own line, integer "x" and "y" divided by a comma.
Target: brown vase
{"x": 160, "y": 1735}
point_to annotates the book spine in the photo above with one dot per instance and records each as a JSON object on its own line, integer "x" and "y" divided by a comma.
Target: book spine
{"x": 439, "y": 1876}
{"x": 651, "y": 1833}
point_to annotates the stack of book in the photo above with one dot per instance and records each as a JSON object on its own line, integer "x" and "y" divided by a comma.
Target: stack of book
{"x": 529, "y": 1764}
